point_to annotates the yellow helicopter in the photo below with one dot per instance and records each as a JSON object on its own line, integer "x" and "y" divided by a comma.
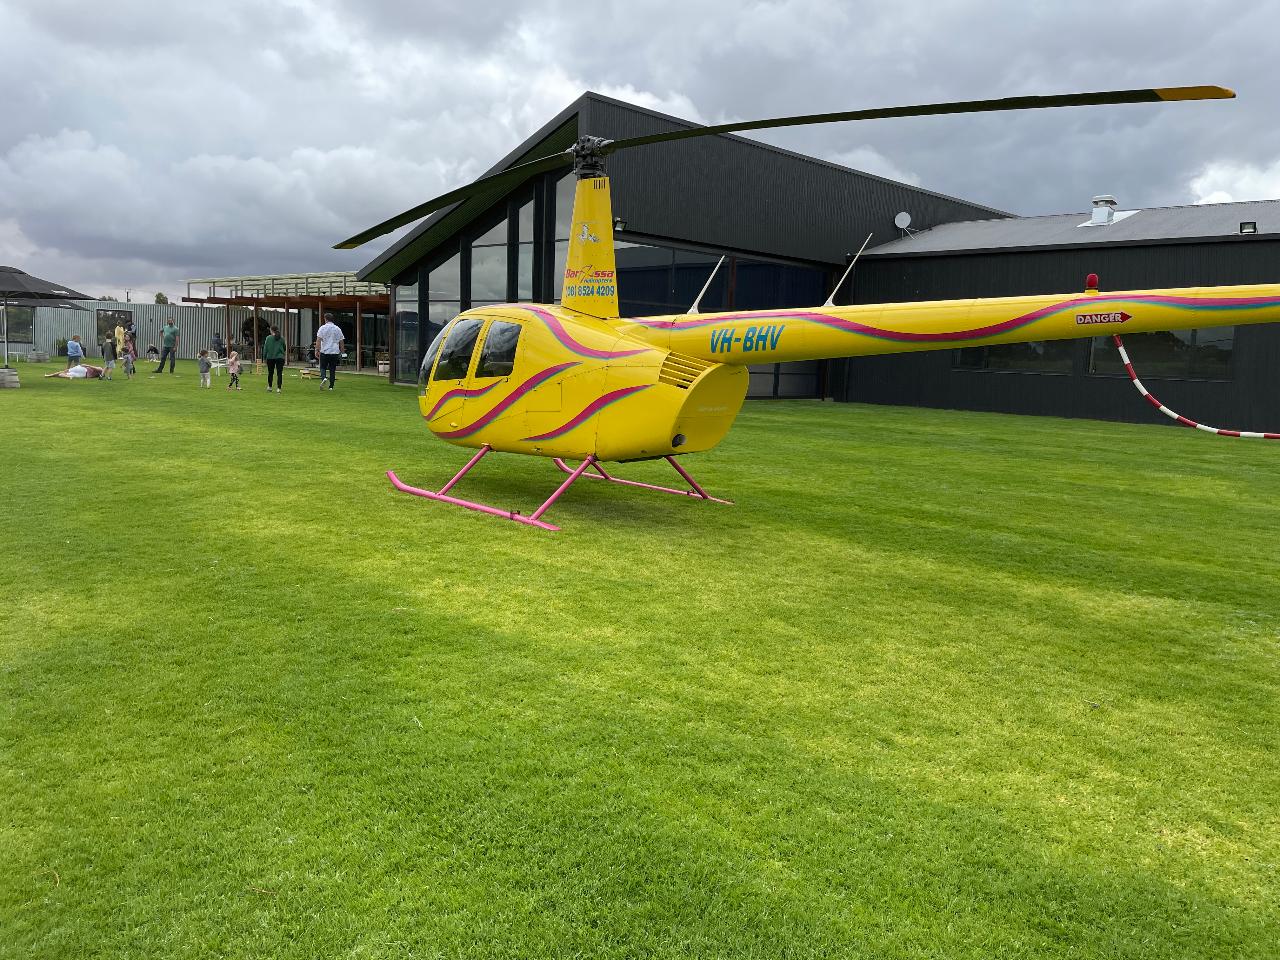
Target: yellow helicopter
{"x": 578, "y": 382}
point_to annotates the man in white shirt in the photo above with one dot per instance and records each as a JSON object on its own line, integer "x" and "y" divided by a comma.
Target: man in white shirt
{"x": 329, "y": 346}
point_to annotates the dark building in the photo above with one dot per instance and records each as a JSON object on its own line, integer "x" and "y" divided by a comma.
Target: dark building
{"x": 787, "y": 224}
{"x": 1221, "y": 376}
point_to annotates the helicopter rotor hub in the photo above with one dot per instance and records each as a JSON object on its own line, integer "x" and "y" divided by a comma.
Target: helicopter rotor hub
{"x": 588, "y": 156}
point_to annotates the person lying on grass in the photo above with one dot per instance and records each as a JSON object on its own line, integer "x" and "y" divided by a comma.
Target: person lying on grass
{"x": 81, "y": 371}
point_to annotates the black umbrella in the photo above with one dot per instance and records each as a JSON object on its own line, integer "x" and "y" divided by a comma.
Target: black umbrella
{"x": 20, "y": 285}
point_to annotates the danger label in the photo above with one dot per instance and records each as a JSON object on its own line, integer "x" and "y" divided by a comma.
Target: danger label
{"x": 1118, "y": 317}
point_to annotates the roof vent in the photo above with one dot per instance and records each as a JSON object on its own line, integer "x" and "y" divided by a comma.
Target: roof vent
{"x": 1104, "y": 210}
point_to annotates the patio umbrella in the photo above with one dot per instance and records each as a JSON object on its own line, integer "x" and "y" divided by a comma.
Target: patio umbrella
{"x": 19, "y": 285}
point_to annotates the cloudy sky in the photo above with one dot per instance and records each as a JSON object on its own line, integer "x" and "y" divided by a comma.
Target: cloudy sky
{"x": 142, "y": 144}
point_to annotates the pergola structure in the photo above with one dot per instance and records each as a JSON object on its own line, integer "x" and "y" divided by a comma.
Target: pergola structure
{"x": 321, "y": 292}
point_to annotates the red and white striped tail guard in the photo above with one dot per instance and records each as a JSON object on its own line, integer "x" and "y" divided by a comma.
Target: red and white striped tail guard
{"x": 1128, "y": 365}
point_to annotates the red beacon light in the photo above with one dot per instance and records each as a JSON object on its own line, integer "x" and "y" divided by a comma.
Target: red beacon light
{"x": 1091, "y": 283}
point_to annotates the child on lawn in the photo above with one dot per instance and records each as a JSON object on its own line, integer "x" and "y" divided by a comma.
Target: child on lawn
{"x": 233, "y": 368}
{"x": 205, "y": 366}
{"x": 126, "y": 358}
{"x": 109, "y": 355}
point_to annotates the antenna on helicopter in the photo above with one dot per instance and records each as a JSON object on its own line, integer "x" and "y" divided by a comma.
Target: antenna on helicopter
{"x": 831, "y": 300}
{"x": 694, "y": 308}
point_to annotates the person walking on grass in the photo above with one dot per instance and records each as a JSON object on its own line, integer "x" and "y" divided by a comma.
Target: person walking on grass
{"x": 205, "y": 366}
{"x": 109, "y": 356}
{"x": 329, "y": 344}
{"x": 127, "y": 357}
{"x": 169, "y": 341}
{"x": 119, "y": 339}
{"x": 273, "y": 353}
{"x": 233, "y": 369}
{"x": 75, "y": 352}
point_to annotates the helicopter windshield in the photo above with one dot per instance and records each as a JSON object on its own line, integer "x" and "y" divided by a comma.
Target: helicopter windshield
{"x": 424, "y": 374}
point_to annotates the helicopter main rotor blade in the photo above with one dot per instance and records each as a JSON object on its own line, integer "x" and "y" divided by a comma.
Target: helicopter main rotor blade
{"x": 517, "y": 174}
{"x": 1153, "y": 95}
{"x": 506, "y": 178}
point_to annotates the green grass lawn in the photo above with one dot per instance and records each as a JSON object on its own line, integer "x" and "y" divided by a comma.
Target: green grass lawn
{"x": 939, "y": 685}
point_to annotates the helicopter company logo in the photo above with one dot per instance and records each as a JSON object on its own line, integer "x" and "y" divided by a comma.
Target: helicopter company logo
{"x": 589, "y": 282}
{"x": 752, "y": 339}
{"x": 586, "y": 236}
{"x": 1118, "y": 316}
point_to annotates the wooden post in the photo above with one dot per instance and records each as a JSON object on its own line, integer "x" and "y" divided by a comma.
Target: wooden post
{"x": 359, "y": 332}
{"x": 257, "y": 350}
{"x": 227, "y": 325}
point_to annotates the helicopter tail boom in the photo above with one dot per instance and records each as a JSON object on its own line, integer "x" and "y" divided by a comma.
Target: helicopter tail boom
{"x": 770, "y": 336}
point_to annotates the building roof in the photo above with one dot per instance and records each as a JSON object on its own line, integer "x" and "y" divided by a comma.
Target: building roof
{"x": 1199, "y": 222}
{"x": 332, "y": 283}
{"x": 803, "y": 204}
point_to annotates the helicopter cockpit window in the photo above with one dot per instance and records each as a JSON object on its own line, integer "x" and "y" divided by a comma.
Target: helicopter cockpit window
{"x": 455, "y": 357}
{"x": 499, "y": 354}
{"x": 424, "y": 372}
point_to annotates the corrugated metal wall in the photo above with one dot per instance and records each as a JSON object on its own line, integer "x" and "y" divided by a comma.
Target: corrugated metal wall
{"x": 1247, "y": 401}
{"x": 197, "y": 325}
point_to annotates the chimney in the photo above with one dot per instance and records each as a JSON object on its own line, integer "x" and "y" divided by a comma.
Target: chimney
{"x": 1104, "y": 210}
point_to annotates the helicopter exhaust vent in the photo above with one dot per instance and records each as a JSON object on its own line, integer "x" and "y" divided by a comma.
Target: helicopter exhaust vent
{"x": 681, "y": 371}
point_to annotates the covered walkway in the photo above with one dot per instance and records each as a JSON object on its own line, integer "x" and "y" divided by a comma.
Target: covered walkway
{"x": 296, "y": 303}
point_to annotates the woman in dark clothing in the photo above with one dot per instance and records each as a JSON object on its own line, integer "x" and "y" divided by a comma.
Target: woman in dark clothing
{"x": 273, "y": 353}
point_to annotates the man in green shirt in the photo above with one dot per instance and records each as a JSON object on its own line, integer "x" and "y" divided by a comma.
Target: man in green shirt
{"x": 169, "y": 341}
{"x": 273, "y": 353}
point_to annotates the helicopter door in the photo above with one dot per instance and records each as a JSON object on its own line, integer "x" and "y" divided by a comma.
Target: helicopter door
{"x": 494, "y": 368}
{"x": 445, "y": 391}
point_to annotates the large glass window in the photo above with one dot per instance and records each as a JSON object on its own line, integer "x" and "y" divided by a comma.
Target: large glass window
{"x": 108, "y": 320}
{"x": 373, "y": 338}
{"x": 455, "y": 357}
{"x": 524, "y": 251}
{"x": 489, "y": 266}
{"x": 562, "y": 258}
{"x": 498, "y": 357}
{"x": 488, "y": 274}
{"x": 406, "y": 331}
{"x": 429, "y": 358}
{"x": 564, "y": 206}
{"x": 21, "y": 323}
{"x": 1036, "y": 356}
{"x": 444, "y": 296}
{"x": 1174, "y": 354}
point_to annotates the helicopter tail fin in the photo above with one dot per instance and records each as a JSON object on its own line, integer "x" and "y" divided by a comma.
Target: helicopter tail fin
{"x": 591, "y": 273}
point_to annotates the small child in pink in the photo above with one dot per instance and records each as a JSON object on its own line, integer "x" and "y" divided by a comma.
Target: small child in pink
{"x": 233, "y": 368}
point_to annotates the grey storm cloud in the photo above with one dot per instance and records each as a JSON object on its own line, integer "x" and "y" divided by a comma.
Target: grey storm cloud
{"x": 144, "y": 143}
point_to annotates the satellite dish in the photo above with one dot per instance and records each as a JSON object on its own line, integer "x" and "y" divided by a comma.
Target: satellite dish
{"x": 902, "y": 220}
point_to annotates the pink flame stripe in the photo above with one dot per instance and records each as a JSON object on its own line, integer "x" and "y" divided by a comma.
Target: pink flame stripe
{"x": 1151, "y": 399}
{"x": 502, "y": 405}
{"x": 469, "y": 394}
{"x": 581, "y": 349}
{"x": 590, "y": 411}
{"x": 991, "y": 330}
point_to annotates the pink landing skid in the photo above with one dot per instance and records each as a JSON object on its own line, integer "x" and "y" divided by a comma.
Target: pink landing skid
{"x": 533, "y": 520}
{"x": 697, "y": 492}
